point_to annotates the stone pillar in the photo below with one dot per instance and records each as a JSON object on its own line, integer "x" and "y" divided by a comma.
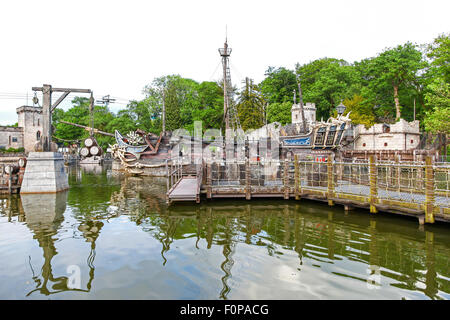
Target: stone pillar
{"x": 44, "y": 173}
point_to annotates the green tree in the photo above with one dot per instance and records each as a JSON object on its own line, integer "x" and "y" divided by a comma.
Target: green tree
{"x": 326, "y": 82}
{"x": 391, "y": 71}
{"x": 250, "y": 106}
{"x": 361, "y": 112}
{"x": 438, "y": 96}
{"x": 278, "y": 85}
{"x": 279, "y": 112}
{"x": 439, "y": 53}
{"x": 173, "y": 108}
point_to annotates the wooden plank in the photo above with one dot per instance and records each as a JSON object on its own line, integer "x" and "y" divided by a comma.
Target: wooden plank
{"x": 185, "y": 189}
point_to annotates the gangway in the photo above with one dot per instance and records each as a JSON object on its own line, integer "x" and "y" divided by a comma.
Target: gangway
{"x": 183, "y": 187}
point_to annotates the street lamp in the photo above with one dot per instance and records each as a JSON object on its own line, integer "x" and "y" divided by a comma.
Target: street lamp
{"x": 341, "y": 109}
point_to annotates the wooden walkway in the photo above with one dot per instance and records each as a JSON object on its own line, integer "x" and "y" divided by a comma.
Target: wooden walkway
{"x": 183, "y": 186}
{"x": 186, "y": 189}
{"x": 414, "y": 189}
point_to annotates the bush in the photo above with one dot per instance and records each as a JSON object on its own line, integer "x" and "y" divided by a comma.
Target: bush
{"x": 14, "y": 150}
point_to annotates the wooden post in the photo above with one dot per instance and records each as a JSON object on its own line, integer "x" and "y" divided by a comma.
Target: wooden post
{"x": 330, "y": 180}
{"x": 296, "y": 178}
{"x": 429, "y": 190}
{"x": 46, "y": 137}
{"x": 248, "y": 187}
{"x": 10, "y": 182}
{"x": 373, "y": 184}
{"x": 398, "y": 172}
{"x": 163, "y": 112}
{"x": 168, "y": 175}
{"x": 208, "y": 180}
{"x": 286, "y": 179}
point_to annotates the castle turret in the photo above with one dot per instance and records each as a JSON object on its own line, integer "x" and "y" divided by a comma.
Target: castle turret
{"x": 309, "y": 110}
{"x": 30, "y": 120}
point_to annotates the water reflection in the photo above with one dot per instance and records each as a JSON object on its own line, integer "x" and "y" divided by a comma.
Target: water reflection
{"x": 44, "y": 217}
{"x": 227, "y": 249}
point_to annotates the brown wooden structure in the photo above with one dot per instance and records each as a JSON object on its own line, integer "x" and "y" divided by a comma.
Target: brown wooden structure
{"x": 419, "y": 189}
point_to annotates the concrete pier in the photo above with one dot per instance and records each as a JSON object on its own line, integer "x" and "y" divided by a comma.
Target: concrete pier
{"x": 44, "y": 173}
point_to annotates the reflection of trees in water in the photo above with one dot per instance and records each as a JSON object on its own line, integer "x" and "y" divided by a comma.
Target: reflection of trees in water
{"x": 90, "y": 193}
{"x": 321, "y": 238}
{"x": 45, "y": 221}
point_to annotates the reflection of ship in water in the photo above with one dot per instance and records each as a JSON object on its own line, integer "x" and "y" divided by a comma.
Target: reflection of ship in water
{"x": 139, "y": 196}
{"x": 92, "y": 168}
{"x": 44, "y": 215}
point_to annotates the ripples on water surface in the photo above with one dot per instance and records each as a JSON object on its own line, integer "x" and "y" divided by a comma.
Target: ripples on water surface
{"x": 118, "y": 233}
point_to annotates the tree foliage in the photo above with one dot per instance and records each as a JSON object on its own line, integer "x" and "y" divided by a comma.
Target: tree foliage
{"x": 250, "y": 106}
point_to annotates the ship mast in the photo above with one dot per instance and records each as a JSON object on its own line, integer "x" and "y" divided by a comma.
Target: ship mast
{"x": 229, "y": 110}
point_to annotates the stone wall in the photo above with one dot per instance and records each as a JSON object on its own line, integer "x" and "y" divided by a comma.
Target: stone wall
{"x": 11, "y": 137}
{"x": 402, "y": 135}
{"x": 30, "y": 119}
{"x": 309, "y": 109}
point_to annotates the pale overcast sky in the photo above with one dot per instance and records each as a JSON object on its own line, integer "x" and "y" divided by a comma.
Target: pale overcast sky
{"x": 117, "y": 47}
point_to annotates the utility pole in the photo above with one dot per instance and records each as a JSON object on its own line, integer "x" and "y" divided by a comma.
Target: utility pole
{"x": 48, "y": 107}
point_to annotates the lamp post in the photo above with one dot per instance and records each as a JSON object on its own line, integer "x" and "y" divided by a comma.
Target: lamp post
{"x": 340, "y": 109}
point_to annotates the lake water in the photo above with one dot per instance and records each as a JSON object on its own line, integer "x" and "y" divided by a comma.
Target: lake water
{"x": 113, "y": 237}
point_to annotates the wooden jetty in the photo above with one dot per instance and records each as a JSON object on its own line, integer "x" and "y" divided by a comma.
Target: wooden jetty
{"x": 419, "y": 189}
{"x": 183, "y": 187}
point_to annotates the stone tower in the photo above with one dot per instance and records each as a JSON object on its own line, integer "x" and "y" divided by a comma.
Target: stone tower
{"x": 30, "y": 120}
{"x": 309, "y": 110}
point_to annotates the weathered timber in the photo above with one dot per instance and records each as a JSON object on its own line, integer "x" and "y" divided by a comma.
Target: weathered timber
{"x": 372, "y": 185}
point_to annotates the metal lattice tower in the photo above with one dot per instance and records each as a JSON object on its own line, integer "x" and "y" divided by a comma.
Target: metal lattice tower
{"x": 229, "y": 109}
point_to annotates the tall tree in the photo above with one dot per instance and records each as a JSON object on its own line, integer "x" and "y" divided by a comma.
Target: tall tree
{"x": 250, "y": 106}
{"x": 393, "y": 70}
{"x": 328, "y": 81}
{"x": 278, "y": 85}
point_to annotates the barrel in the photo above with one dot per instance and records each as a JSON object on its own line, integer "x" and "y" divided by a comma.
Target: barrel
{"x": 89, "y": 142}
{"x": 95, "y": 151}
{"x": 22, "y": 162}
{"x": 11, "y": 169}
{"x": 84, "y": 152}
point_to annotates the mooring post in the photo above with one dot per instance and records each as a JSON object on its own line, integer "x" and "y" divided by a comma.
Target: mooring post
{"x": 429, "y": 190}
{"x": 330, "y": 180}
{"x": 248, "y": 187}
{"x": 398, "y": 172}
{"x": 208, "y": 180}
{"x": 10, "y": 181}
{"x": 296, "y": 178}
{"x": 286, "y": 179}
{"x": 373, "y": 200}
{"x": 167, "y": 175}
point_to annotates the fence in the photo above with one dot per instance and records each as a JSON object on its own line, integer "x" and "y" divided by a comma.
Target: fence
{"x": 415, "y": 188}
